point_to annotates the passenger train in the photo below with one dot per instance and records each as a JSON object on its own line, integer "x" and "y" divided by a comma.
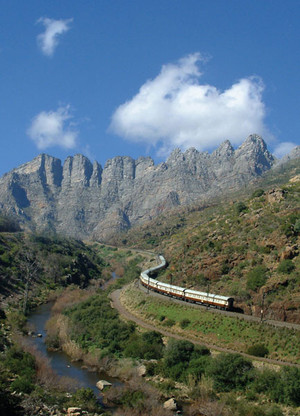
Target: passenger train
{"x": 188, "y": 295}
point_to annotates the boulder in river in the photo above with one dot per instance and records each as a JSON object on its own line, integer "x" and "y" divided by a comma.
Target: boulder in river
{"x": 101, "y": 384}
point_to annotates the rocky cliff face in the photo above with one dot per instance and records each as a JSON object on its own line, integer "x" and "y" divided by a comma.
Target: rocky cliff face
{"x": 82, "y": 200}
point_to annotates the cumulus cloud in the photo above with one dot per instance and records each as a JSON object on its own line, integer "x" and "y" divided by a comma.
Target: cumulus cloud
{"x": 53, "y": 128}
{"x": 48, "y": 40}
{"x": 283, "y": 149}
{"x": 176, "y": 110}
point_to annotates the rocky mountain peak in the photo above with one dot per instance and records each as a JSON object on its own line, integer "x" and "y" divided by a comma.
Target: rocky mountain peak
{"x": 77, "y": 171}
{"x": 84, "y": 200}
{"x": 225, "y": 150}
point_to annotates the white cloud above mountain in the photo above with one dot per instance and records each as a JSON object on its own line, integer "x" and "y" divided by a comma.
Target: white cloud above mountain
{"x": 48, "y": 40}
{"x": 175, "y": 110}
{"x": 283, "y": 149}
{"x": 53, "y": 128}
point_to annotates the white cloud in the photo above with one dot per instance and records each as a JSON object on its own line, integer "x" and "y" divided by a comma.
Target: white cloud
{"x": 48, "y": 40}
{"x": 175, "y": 110}
{"x": 283, "y": 149}
{"x": 53, "y": 128}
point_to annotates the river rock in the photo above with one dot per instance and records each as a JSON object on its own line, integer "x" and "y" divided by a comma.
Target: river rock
{"x": 101, "y": 384}
{"x": 74, "y": 411}
{"x": 141, "y": 370}
{"x": 170, "y": 404}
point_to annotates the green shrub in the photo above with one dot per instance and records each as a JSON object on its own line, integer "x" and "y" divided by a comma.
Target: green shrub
{"x": 240, "y": 207}
{"x": 297, "y": 226}
{"x": 22, "y": 385}
{"x": 230, "y": 371}
{"x": 225, "y": 269}
{"x": 178, "y": 351}
{"x": 257, "y": 193}
{"x": 86, "y": 399}
{"x": 286, "y": 266}
{"x": 198, "y": 366}
{"x": 256, "y": 278}
{"x": 282, "y": 386}
{"x": 132, "y": 399}
{"x": 184, "y": 323}
{"x": 169, "y": 322}
{"x": 258, "y": 350}
{"x": 20, "y": 363}
{"x": 288, "y": 391}
{"x": 147, "y": 346}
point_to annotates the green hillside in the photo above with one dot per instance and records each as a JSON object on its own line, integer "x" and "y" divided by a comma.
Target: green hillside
{"x": 246, "y": 247}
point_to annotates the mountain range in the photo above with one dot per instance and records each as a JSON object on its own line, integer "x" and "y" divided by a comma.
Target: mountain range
{"x": 83, "y": 200}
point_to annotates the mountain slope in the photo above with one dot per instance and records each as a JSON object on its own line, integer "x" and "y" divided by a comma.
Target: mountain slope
{"x": 246, "y": 248}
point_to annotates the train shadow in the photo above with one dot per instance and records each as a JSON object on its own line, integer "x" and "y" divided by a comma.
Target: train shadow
{"x": 237, "y": 310}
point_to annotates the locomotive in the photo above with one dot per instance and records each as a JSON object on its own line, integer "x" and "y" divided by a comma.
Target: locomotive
{"x": 187, "y": 295}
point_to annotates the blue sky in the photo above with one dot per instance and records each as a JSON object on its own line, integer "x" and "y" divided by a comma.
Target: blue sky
{"x": 128, "y": 77}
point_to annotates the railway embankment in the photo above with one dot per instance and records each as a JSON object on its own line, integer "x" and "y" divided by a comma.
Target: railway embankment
{"x": 219, "y": 332}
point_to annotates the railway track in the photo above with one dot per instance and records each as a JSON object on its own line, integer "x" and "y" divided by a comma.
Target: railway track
{"x": 125, "y": 313}
{"x": 250, "y": 318}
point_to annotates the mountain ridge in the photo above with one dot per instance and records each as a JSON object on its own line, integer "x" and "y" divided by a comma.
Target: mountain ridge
{"x": 85, "y": 200}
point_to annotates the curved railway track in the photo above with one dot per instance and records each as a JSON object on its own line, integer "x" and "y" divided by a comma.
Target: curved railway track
{"x": 159, "y": 289}
{"x": 118, "y": 305}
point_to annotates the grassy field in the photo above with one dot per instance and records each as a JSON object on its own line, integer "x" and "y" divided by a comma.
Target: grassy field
{"x": 222, "y": 331}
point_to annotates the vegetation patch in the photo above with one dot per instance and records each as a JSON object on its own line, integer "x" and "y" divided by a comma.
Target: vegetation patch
{"x": 213, "y": 328}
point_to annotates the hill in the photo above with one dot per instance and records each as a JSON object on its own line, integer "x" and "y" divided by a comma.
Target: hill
{"x": 245, "y": 247}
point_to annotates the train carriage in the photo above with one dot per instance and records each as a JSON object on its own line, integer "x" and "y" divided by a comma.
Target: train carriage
{"x": 182, "y": 293}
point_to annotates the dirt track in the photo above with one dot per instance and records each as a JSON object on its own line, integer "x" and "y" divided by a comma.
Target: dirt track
{"x": 116, "y": 303}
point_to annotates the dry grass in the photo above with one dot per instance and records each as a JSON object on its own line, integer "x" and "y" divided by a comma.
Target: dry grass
{"x": 45, "y": 375}
{"x": 70, "y": 297}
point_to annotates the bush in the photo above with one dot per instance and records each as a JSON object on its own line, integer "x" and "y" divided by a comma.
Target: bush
{"x": 289, "y": 386}
{"x": 198, "y": 366}
{"x": 283, "y": 386}
{"x": 148, "y": 346}
{"x": 20, "y": 363}
{"x": 22, "y": 385}
{"x": 297, "y": 227}
{"x": 230, "y": 371}
{"x": 257, "y": 193}
{"x": 86, "y": 399}
{"x": 169, "y": 322}
{"x": 256, "y": 278}
{"x": 178, "y": 351}
{"x": 184, "y": 323}
{"x": 240, "y": 207}
{"x": 286, "y": 266}
{"x": 258, "y": 350}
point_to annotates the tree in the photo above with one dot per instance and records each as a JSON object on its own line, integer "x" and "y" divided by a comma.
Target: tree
{"x": 230, "y": 371}
{"x": 178, "y": 351}
{"x": 286, "y": 266}
{"x": 256, "y": 278}
{"x": 29, "y": 266}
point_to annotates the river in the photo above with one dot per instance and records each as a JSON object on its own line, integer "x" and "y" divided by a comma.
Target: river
{"x": 60, "y": 362}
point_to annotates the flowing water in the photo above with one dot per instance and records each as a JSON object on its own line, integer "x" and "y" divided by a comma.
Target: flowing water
{"x": 60, "y": 362}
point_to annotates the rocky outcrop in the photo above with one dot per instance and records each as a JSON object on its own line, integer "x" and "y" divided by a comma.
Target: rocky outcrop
{"x": 170, "y": 404}
{"x": 84, "y": 200}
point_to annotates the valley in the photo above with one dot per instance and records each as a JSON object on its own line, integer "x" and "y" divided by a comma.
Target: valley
{"x": 244, "y": 244}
